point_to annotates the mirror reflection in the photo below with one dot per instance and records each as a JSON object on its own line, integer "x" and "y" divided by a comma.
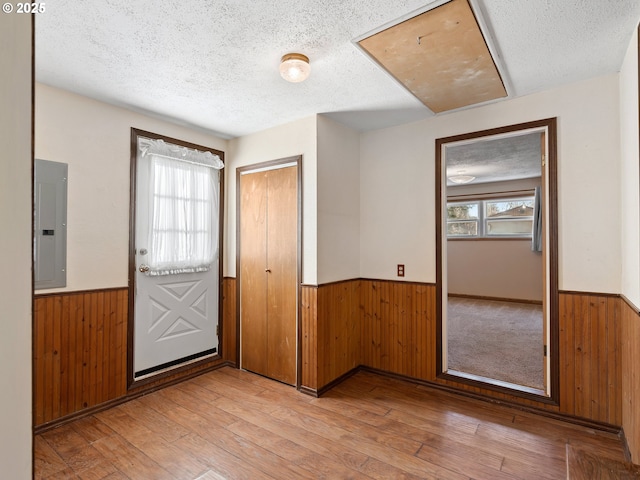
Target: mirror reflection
{"x": 494, "y": 286}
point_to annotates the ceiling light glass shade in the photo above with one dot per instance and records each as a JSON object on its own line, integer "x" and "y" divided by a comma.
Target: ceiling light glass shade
{"x": 294, "y": 67}
{"x": 462, "y": 178}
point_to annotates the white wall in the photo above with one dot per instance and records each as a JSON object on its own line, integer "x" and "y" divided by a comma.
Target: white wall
{"x": 295, "y": 138}
{"x": 338, "y": 202}
{"x": 398, "y": 191}
{"x": 397, "y": 214}
{"x": 15, "y": 246}
{"x": 94, "y": 139}
{"x": 494, "y": 267}
{"x": 630, "y": 176}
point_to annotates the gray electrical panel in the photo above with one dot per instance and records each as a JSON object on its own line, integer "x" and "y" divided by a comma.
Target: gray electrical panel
{"x": 50, "y": 224}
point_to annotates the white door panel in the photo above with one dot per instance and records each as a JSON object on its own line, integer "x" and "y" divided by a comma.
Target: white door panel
{"x": 175, "y": 316}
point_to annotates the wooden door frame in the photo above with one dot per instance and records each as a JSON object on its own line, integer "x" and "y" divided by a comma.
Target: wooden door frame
{"x": 179, "y": 367}
{"x": 552, "y": 293}
{"x": 272, "y": 165}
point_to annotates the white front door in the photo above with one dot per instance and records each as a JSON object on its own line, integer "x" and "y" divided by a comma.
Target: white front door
{"x": 176, "y": 315}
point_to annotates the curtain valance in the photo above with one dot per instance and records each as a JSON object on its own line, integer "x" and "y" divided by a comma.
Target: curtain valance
{"x": 176, "y": 152}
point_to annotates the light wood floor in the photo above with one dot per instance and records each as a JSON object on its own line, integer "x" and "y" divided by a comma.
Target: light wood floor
{"x": 233, "y": 424}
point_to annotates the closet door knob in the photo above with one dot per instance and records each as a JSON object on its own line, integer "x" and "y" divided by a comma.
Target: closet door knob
{"x": 268, "y": 270}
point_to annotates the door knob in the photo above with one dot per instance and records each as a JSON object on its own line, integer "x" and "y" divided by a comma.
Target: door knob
{"x": 144, "y": 268}
{"x": 268, "y": 270}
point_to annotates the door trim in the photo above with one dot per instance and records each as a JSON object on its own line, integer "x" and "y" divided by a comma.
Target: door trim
{"x": 272, "y": 165}
{"x": 552, "y": 248}
{"x": 187, "y": 363}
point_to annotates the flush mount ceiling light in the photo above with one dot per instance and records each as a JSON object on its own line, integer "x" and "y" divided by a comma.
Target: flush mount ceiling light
{"x": 294, "y": 67}
{"x": 460, "y": 178}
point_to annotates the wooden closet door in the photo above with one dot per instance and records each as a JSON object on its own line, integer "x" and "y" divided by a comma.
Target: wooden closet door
{"x": 253, "y": 276}
{"x": 268, "y": 272}
{"x": 282, "y": 282}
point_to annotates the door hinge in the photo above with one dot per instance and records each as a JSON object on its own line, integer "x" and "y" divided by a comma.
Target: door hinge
{"x": 545, "y": 350}
{"x": 218, "y": 332}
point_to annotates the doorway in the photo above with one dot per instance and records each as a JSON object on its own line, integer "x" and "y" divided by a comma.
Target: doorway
{"x": 175, "y": 267}
{"x": 497, "y": 259}
{"x": 268, "y": 268}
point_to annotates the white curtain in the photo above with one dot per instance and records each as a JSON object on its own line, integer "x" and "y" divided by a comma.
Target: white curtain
{"x": 184, "y": 199}
{"x": 536, "y": 234}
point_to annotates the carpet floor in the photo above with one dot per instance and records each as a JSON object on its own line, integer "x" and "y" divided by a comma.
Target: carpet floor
{"x": 498, "y": 340}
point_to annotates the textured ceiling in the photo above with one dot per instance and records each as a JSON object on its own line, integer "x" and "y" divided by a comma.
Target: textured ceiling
{"x": 213, "y": 64}
{"x": 496, "y": 159}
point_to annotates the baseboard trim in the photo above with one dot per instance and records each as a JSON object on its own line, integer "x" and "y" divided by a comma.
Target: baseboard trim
{"x": 119, "y": 401}
{"x": 312, "y": 392}
{"x": 338, "y": 381}
{"x": 625, "y": 446}
{"x": 321, "y": 391}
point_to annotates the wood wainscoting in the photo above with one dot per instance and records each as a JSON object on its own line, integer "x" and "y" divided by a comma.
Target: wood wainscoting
{"x": 398, "y": 327}
{"x": 80, "y": 348}
{"x": 80, "y": 352}
{"x": 396, "y": 333}
{"x": 330, "y": 333}
{"x": 591, "y": 356}
{"x": 229, "y": 327}
{"x": 308, "y": 338}
{"x": 80, "y": 356}
{"x": 631, "y": 378}
{"x": 338, "y": 330}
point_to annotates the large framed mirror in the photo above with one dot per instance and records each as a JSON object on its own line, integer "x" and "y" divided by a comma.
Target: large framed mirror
{"x": 497, "y": 260}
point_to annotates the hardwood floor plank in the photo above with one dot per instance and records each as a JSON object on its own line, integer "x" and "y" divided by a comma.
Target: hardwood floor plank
{"x": 129, "y": 460}
{"x": 47, "y": 461}
{"x": 300, "y": 455}
{"x": 582, "y": 465}
{"x": 236, "y": 445}
{"x": 180, "y": 464}
{"x": 548, "y": 447}
{"x": 233, "y": 424}
{"x": 469, "y": 463}
{"x": 124, "y": 424}
{"x": 382, "y": 471}
{"x": 155, "y": 421}
{"x": 116, "y": 476}
{"x": 345, "y": 425}
{"x": 66, "y": 474}
{"x": 413, "y": 402}
{"x": 540, "y": 471}
{"x": 169, "y": 399}
{"x": 78, "y": 454}
{"x": 369, "y": 447}
{"x": 365, "y": 411}
{"x": 302, "y": 436}
{"x": 220, "y": 461}
{"x": 91, "y": 429}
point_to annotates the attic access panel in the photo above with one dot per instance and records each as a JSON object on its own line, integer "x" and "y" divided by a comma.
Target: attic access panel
{"x": 440, "y": 56}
